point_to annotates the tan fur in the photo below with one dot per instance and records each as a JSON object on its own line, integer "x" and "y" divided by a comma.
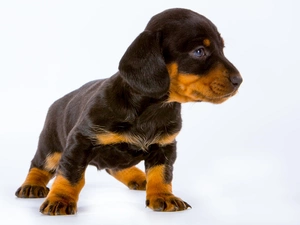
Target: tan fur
{"x": 64, "y": 193}
{"x": 132, "y": 177}
{"x": 138, "y": 140}
{"x": 52, "y": 161}
{"x": 37, "y": 177}
{"x": 213, "y": 87}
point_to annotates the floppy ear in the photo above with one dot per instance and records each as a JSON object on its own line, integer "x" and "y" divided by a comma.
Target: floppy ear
{"x": 143, "y": 66}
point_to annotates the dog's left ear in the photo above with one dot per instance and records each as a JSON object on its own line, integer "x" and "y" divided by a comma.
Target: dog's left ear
{"x": 143, "y": 66}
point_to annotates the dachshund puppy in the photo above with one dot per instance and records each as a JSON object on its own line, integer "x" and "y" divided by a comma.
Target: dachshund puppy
{"x": 132, "y": 116}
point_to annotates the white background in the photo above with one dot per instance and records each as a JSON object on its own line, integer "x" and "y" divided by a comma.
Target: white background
{"x": 238, "y": 162}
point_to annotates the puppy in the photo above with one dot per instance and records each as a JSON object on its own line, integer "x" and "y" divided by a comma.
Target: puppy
{"x": 132, "y": 116}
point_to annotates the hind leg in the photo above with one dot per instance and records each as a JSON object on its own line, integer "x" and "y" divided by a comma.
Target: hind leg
{"x": 38, "y": 177}
{"x": 132, "y": 177}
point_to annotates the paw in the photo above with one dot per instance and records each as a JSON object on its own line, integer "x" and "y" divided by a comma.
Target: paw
{"x": 58, "y": 206}
{"x": 30, "y": 191}
{"x": 166, "y": 203}
{"x": 137, "y": 185}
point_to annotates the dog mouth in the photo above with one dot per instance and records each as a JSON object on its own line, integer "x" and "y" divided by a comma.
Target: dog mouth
{"x": 214, "y": 92}
{"x": 212, "y": 96}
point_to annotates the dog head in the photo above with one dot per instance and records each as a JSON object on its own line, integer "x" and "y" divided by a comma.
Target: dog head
{"x": 180, "y": 54}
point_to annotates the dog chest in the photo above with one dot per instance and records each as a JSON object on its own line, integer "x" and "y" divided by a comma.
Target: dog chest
{"x": 139, "y": 140}
{"x": 156, "y": 124}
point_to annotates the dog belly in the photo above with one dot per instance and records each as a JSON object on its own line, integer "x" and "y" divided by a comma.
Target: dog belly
{"x": 116, "y": 156}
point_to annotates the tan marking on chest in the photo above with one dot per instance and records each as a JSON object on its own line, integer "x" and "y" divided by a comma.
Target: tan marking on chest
{"x": 167, "y": 139}
{"x": 111, "y": 138}
{"x": 138, "y": 140}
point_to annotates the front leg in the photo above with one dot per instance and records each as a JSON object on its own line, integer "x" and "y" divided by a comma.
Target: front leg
{"x": 63, "y": 196}
{"x": 159, "y": 174}
{"x": 64, "y": 193}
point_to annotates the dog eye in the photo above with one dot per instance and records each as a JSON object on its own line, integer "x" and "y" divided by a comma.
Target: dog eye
{"x": 200, "y": 52}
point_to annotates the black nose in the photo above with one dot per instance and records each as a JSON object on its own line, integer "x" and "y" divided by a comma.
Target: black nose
{"x": 236, "y": 79}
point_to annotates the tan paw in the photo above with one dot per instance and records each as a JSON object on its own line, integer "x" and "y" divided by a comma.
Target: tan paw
{"x": 166, "y": 203}
{"x": 58, "y": 206}
{"x": 32, "y": 191}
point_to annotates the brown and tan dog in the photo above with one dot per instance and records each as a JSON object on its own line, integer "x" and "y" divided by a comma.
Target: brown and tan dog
{"x": 132, "y": 116}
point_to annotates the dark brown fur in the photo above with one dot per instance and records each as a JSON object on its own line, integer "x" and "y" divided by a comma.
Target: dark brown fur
{"x": 134, "y": 115}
